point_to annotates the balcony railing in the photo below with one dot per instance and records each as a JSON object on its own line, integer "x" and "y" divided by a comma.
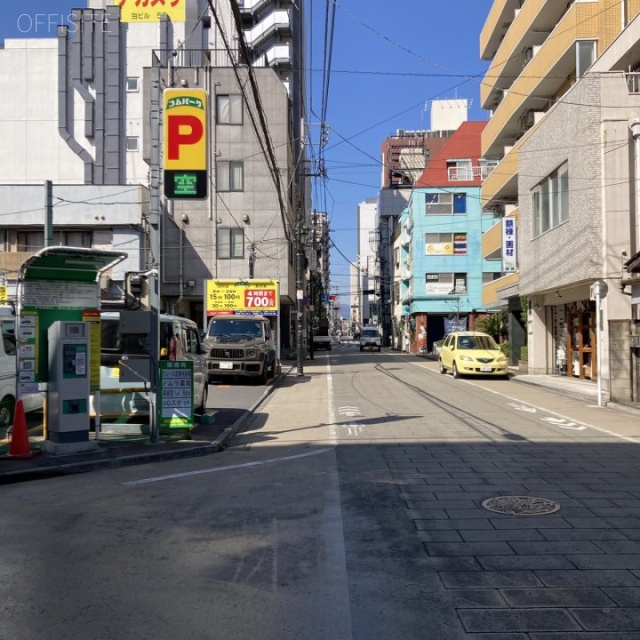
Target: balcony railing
{"x": 467, "y": 174}
{"x": 633, "y": 82}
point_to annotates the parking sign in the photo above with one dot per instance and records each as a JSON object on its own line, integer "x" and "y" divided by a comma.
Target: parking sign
{"x": 185, "y": 144}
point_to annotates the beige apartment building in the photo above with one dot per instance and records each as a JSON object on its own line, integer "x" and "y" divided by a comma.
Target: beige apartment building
{"x": 562, "y": 91}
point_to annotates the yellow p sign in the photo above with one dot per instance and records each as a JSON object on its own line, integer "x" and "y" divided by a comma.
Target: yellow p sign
{"x": 185, "y": 143}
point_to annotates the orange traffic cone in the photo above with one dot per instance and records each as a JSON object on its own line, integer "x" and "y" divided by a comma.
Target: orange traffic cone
{"x": 19, "y": 447}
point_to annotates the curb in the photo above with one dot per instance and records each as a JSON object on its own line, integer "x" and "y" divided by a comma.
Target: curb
{"x": 192, "y": 451}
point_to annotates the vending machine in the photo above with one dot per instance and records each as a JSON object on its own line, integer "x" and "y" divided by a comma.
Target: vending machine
{"x": 68, "y": 391}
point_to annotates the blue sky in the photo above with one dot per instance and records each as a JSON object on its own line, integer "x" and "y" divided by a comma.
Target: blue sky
{"x": 388, "y": 60}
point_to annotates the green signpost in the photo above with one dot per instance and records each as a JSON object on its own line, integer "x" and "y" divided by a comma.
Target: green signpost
{"x": 175, "y": 394}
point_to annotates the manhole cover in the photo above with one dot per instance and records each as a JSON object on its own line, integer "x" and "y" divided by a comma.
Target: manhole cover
{"x": 521, "y": 505}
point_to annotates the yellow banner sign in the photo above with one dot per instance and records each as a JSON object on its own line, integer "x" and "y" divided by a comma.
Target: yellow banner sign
{"x": 151, "y": 10}
{"x": 4, "y": 293}
{"x": 185, "y": 129}
{"x": 257, "y": 297}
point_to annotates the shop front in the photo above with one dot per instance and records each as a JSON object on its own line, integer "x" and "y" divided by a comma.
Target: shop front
{"x": 574, "y": 333}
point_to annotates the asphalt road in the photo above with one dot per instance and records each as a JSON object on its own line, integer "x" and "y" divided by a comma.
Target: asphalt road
{"x": 349, "y": 508}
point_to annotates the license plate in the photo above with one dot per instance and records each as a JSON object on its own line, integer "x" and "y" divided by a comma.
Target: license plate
{"x": 226, "y": 365}
{"x": 485, "y": 369}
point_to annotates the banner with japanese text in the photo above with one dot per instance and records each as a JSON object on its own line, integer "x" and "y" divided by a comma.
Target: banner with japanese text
{"x": 247, "y": 297}
{"x": 151, "y": 10}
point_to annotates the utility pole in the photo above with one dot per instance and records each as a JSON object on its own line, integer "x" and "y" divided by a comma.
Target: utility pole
{"x": 154, "y": 243}
{"x": 252, "y": 260}
{"x": 300, "y": 297}
{"x": 48, "y": 211}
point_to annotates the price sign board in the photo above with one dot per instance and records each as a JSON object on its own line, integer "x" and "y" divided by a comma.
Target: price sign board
{"x": 246, "y": 297}
{"x": 175, "y": 394}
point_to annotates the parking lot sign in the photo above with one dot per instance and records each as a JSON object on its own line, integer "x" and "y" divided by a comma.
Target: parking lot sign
{"x": 185, "y": 144}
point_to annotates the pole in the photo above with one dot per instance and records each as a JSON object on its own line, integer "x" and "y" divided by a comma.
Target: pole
{"x": 154, "y": 244}
{"x": 597, "y": 292}
{"x": 48, "y": 213}
{"x": 299, "y": 296}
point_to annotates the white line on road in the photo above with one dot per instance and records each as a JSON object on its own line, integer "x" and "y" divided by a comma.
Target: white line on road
{"x": 503, "y": 395}
{"x": 229, "y": 468}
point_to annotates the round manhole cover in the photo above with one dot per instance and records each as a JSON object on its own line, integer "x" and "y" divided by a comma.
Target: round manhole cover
{"x": 521, "y": 505}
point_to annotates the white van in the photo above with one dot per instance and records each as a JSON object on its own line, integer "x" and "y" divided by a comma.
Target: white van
{"x": 127, "y": 399}
{"x": 8, "y": 373}
{"x": 370, "y": 339}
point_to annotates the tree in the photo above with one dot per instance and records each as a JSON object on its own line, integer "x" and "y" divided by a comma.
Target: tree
{"x": 495, "y": 324}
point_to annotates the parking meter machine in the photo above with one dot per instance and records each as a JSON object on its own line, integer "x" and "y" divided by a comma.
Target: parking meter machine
{"x": 68, "y": 390}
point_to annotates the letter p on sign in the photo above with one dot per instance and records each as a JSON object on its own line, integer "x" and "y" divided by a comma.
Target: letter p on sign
{"x": 185, "y": 143}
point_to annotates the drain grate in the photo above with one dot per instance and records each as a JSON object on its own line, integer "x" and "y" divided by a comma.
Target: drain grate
{"x": 521, "y": 505}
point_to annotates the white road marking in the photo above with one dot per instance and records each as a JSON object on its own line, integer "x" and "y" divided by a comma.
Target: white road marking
{"x": 333, "y": 433}
{"x": 563, "y": 424}
{"x": 245, "y": 465}
{"x": 522, "y": 407}
{"x": 497, "y": 393}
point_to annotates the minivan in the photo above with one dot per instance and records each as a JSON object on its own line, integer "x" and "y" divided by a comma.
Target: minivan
{"x": 131, "y": 399}
{"x": 370, "y": 339}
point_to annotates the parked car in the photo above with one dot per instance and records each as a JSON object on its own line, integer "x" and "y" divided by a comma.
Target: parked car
{"x": 8, "y": 387}
{"x": 126, "y": 399}
{"x": 472, "y": 353}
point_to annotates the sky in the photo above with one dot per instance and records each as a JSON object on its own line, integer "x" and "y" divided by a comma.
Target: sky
{"x": 387, "y": 62}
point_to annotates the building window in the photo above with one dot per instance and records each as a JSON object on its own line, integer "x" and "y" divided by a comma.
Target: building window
{"x": 446, "y": 283}
{"x": 229, "y": 109}
{"x": 585, "y": 56}
{"x": 230, "y": 243}
{"x": 445, "y": 244}
{"x": 30, "y": 241}
{"x": 230, "y": 176}
{"x": 133, "y": 84}
{"x": 132, "y": 143}
{"x": 73, "y": 239}
{"x": 551, "y": 201}
{"x": 443, "y": 204}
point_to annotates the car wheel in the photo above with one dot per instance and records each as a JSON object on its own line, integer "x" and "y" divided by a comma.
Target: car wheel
{"x": 456, "y": 373}
{"x": 6, "y": 412}
{"x": 379, "y": 348}
{"x": 443, "y": 369}
{"x": 361, "y": 348}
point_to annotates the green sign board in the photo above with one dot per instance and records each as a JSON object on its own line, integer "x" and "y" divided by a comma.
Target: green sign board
{"x": 175, "y": 394}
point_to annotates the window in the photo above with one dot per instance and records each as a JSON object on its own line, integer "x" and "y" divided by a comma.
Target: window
{"x": 73, "y": 239}
{"x": 445, "y": 203}
{"x": 446, "y": 244}
{"x": 229, "y": 109}
{"x": 585, "y": 56}
{"x": 551, "y": 201}
{"x": 230, "y": 243}
{"x": 31, "y": 241}
{"x": 446, "y": 283}
{"x": 230, "y": 176}
{"x": 132, "y": 143}
{"x": 133, "y": 84}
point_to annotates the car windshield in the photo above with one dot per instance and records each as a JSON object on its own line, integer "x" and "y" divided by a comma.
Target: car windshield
{"x": 227, "y": 328}
{"x": 476, "y": 342}
{"x": 369, "y": 333}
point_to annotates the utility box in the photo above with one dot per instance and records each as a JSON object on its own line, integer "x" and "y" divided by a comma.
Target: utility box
{"x": 68, "y": 389}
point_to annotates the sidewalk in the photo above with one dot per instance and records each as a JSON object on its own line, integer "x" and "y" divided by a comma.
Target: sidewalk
{"x": 115, "y": 451}
{"x": 119, "y": 451}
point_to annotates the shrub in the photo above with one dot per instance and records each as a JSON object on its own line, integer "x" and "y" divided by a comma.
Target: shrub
{"x": 504, "y": 348}
{"x": 524, "y": 353}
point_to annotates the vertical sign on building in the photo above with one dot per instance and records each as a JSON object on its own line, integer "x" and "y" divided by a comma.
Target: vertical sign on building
{"x": 509, "y": 258}
{"x": 185, "y": 144}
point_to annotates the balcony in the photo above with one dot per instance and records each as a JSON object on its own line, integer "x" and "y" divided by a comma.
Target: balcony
{"x": 491, "y": 292}
{"x": 273, "y": 23}
{"x": 548, "y": 75}
{"x": 467, "y": 174}
{"x": 502, "y": 184}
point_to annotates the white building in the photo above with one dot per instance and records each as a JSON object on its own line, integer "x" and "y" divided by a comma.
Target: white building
{"x": 79, "y": 117}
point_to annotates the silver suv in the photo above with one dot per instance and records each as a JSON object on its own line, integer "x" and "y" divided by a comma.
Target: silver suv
{"x": 240, "y": 346}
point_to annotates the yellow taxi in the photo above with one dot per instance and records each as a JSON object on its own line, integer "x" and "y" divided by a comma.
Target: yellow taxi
{"x": 472, "y": 353}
